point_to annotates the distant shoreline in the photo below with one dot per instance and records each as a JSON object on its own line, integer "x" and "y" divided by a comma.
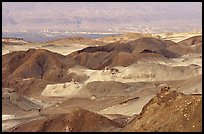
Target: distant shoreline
{"x": 40, "y": 38}
{"x": 32, "y": 36}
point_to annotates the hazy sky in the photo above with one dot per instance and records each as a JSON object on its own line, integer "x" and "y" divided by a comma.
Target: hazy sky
{"x": 99, "y": 15}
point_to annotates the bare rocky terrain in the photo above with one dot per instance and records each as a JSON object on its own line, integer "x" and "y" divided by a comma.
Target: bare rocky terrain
{"x": 169, "y": 111}
{"x": 121, "y": 83}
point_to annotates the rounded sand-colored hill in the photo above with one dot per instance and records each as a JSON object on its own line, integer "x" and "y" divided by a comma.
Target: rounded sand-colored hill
{"x": 124, "y": 54}
{"x": 124, "y": 37}
{"x": 77, "y": 121}
{"x": 169, "y": 111}
{"x": 75, "y": 40}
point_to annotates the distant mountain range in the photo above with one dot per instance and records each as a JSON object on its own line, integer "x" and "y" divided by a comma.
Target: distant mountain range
{"x": 101, "y": 16}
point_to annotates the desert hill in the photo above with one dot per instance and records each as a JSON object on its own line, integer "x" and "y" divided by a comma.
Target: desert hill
{"x": 195, "y": 43}
{"x": 179, "y": 36}
{"x": 77, "y": 121}
{"x": 179, "y": 112}
{"x": 125, "y": 37}
{"x": 195, "y": 40}
{"x": 25, "y": 69}
{"x": 36, "y": 64}
{"x": 74, "y": 40}
{"x": 125, "y": 54}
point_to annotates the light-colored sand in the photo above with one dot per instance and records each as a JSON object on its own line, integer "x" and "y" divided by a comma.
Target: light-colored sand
{"x": 128, "y": 109}
{"x": 7, "y": 117}
{"x": 125, "y": 37}
{"x": 179, "y": 36}
{"x": 68, "y": 89}
{"x": 64, "y": 50}
{"x": 133, "y": 106}
{"x": 6, "y": 124}
{"x": 143, "y": 72}
{"x": 185, "y": 60}
{"x": 140, "y": 72}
